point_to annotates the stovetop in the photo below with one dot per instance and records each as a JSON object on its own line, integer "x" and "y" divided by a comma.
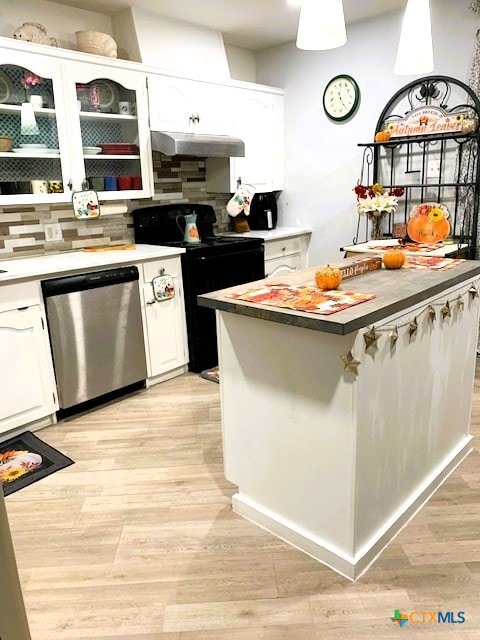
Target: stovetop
{"x": 211, "y": 241}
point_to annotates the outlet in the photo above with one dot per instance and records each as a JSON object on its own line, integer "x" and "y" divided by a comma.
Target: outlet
{"x": 53, "y": 232}
{"x": 433, "y": 168}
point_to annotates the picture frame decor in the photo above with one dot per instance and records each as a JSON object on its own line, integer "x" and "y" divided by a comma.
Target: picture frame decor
{"x": 341, "y": 97}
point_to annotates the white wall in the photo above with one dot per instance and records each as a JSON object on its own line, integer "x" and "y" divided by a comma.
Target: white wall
{"x": 61, "y": 22}
{"x": 322, "y": 158}
{"x": 242, "y": 64}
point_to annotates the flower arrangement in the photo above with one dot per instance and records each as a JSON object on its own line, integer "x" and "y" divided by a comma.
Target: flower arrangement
{"x": 375, "y": 203}
{"x": 30, "y": 79}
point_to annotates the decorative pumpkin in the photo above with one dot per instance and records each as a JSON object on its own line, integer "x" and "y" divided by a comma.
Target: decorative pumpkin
{"x": 393, "y": 259}
{"x": 328, "y": 277}
{"x": 382, "y": 136}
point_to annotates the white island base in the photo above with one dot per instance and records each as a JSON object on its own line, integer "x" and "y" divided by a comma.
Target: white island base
{"x": 336, "y": 463}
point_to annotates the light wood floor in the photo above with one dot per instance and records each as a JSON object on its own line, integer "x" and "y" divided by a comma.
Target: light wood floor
{"x": 137, "y": 541}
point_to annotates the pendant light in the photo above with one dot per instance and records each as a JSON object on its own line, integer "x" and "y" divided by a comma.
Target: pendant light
{"x": 321, "y": 25}
{"x": 415, "y": 51}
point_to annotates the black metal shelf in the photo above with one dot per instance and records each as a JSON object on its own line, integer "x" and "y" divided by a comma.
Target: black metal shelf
{"x": 455, "y": 155}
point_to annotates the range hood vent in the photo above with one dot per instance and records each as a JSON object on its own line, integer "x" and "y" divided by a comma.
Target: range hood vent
{"x": 194, "y": 144}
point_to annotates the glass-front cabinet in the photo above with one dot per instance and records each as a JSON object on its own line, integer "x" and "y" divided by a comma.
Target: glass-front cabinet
{"x": 66, "y": 125}
{"x": 34, "y": 157}
{"x": 111, "y": 129}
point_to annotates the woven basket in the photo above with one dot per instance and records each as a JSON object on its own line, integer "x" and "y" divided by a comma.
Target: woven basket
{"x": 6, "y": 143}
{"x": 96, "y": 42}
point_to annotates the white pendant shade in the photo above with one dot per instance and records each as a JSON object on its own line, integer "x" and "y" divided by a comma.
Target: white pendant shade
{"x": 321, "y": 25}
{"x": 28, "y": 122}
{"x": 415, "y": 51}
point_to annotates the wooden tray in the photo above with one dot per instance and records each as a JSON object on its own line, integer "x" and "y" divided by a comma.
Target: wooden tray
{"x": 113, "y": 247}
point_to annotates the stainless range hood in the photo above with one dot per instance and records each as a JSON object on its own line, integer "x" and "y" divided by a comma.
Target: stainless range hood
{"x": 195, "y": 144}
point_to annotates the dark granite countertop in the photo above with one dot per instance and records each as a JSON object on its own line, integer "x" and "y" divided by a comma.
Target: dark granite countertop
{"x": 395, "y": 291}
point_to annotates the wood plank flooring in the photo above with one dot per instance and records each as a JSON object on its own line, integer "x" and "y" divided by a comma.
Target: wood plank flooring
{"x": 137, "y": 541}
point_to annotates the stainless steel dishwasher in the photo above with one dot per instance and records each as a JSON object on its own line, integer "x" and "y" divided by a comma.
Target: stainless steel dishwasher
{"x": 96, "y": 333}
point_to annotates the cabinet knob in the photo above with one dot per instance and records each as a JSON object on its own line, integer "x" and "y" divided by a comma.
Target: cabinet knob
{"x": 284, "y": 248}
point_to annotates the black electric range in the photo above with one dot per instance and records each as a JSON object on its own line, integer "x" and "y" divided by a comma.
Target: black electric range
{"x": 216, "y": 262}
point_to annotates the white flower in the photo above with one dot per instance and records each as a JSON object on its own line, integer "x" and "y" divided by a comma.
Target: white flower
{"x": 377, "y": 205}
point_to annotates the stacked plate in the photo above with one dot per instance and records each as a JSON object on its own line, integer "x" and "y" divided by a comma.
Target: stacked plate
{"x": 119, "y": 148}
{"x": 91, "y": 151}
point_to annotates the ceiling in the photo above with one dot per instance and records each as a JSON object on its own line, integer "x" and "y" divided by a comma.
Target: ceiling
{"x": 250, "y": 24}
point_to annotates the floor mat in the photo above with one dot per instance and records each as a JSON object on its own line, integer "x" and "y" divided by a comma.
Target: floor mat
{"x": 25, "y": 459}
{"x": 211, "y": 374}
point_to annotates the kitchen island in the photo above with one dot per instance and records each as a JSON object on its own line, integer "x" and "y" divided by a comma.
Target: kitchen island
{"x": 333, "y": 456}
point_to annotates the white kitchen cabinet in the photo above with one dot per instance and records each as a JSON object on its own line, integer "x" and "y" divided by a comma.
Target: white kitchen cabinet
{"x": 165, "y": 325}
{"x": 258, "y": 120}
{"x": 59, "y": 163}
{"x": 286, "y": 255}
{"x": 189, "y": 106}
{"x": 26, "y": 375}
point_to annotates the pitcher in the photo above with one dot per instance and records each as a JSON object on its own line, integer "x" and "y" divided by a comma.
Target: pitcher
{"x": 190, "y": 233}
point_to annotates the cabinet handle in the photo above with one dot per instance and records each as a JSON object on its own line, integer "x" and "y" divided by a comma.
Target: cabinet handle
{"x": 152, "y": 302}
{"x": 70, "y": 184}
{"x": 198, "y": 118}
{"x": 192, "y": 119}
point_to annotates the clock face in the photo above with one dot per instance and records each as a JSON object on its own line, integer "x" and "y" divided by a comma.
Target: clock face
{"x": 341, "y": 97}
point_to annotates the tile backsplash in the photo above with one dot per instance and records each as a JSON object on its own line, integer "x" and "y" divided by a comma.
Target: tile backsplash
{"x": 177, "y": 179}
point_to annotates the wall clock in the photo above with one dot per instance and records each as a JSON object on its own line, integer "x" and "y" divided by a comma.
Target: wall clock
{"x": 341, "y": 97}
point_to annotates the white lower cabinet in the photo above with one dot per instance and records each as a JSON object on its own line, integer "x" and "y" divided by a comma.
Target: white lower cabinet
{"x": 165, "y": 326}
{"x": 26, "y": 374}
{"x": 286, "y": 255}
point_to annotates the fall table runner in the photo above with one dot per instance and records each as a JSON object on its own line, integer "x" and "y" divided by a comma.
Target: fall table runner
{"x": 303, "y": 298}
{"x": 431, "y": 263}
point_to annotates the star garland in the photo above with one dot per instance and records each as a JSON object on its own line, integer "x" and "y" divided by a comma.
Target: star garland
{"x": 372, "y": 336}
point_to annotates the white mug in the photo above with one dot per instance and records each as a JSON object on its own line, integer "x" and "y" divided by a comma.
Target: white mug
{"x": 125, "y": 108}
{"x": 39, "y": 186}
{"x": 36, "y": 101}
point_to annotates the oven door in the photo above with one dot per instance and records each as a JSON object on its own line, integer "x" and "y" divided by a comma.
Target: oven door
{"x": 205, "y": 274}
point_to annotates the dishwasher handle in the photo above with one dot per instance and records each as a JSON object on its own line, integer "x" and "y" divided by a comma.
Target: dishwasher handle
{"x": 91, "y": 280}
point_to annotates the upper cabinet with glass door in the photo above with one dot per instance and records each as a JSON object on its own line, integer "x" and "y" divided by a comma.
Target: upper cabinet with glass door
{"x": 111, "y": 131}
{"x": 34, "y": 160}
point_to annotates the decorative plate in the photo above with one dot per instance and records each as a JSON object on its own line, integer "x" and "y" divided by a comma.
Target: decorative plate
{"x": 91, "y": 151}
{"x": 7, "y": 92}
{"x": 109, "y": 94}
{"x": 429, "y": 223}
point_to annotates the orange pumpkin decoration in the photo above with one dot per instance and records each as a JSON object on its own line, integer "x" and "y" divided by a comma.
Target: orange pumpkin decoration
{"x": 328, "y": 277}
{"x": 393, "y": 259}
{"x": 382, "y": 136}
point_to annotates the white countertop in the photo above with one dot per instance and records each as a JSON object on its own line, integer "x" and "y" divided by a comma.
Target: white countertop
{"x": 364, "y": 247}
{"x": 271, "y": 234}
{"x": 62, "y": 263}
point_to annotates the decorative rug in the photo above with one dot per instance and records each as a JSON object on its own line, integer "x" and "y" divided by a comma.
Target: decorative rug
{"x": 211, "y": 374}
{"x": 25, "y": 459}
{"x": 303, "y": 298}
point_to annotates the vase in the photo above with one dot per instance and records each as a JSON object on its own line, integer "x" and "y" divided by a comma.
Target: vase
{"x": 376, "y": 232}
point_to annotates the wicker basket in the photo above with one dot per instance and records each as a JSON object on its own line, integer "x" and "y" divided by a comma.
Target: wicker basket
{"x": 6, "y": 143}
{"x": 96, "y": 42}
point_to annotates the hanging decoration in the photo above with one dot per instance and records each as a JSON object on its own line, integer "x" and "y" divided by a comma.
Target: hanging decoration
{"x": 350, "y": 364}
{"x": 372, "y": 336}
{"x": 446, "y": 311}
{"x": 393, "y": 336}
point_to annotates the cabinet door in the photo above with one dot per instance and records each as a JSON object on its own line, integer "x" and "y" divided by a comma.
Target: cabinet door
{"x": 35, "y": 163}
{"x": 287, "y": 264}
{"x": 165, "y": 320}
{"x": 213, "y": 108}
{"x": 170, "y": 104}
{"x": 26, "y": 379}
{"x": 110, "y": 137}
{"x": 253, "y": 124}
